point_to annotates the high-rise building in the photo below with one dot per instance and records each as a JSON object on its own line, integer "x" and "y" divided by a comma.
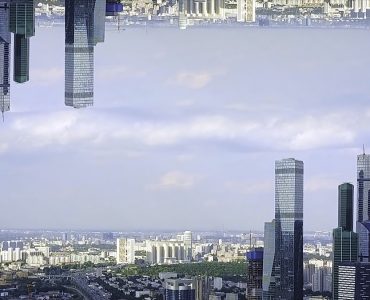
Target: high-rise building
{"x": 288, "y": 266}
{"x": 345, "y": 206}
{"x": 354, "y": 281}
{"x": 22, "y": 24}
{"x": 345, "y": 241}
{"x": 4, "y": 57}
{"x": 99, "y": 22}
{"x": 125, "y": 251}
{"x": 79, "y": 52}
{"x": 180, "y": 289}
{"x": 188, "y": 243}
{"x": 268, "y": 280}
{"x": 209, "y": 9}
{"x": 203, "y": 287}
{"x": 363, "y": 206}
{"x": 254, "y": 274}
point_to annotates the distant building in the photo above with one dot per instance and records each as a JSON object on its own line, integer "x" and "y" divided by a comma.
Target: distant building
{"x": 125, "y": 251}
{"x": 288, "y": 263}
{"x": 188, "y": 243}
{"x": 22, "y": 24}
{"x": 354, "y": 281}
{"x": 5, "y": 40}
{"x": 268, "y": 279}
{"x": 246, "y": 10}
{"x": 209, "y": 9}
{"x": 254, "y": 274}
{"x": 180, "y": 289}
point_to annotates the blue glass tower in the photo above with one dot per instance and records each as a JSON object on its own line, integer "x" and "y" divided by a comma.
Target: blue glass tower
{"x": 288, "y": 265}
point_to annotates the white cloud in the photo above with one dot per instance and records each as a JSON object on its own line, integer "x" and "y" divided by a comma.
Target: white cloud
{"x": 193, "y": 80}
{"x": 175, "y": 180}
{"x": 87, "y": 127}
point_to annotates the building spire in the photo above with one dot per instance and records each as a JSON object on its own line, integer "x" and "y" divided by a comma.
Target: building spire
{"x": 363, "y": 148}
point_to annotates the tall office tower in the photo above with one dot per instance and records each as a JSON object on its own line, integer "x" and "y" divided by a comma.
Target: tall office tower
{"x": 4, "y": 57}
{"x": 289, "y": 229}
{"x": 254, "y": 274}
{"x": 125, "y": 251}
{"x": 345, "y": 206}
{"x": 363, "y": 206}
{"x": 79, "y": 53}
{"x": 345, "y": 241}
{"x": 99, "y": 22}
{"x": 268, "y": 279}
{"x": 354, "y": 281}
{"x": 22, "y": 24}
{"x": 176, "y": 289}
{"x": 188, "y": 244}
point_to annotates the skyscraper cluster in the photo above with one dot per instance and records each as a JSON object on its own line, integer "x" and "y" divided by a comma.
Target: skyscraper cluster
{"x": 351, "y": 267}
{"x": 18, "y": 17}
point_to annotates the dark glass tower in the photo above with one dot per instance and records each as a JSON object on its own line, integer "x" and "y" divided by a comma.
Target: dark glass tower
{"x": 22, "y": 24}
{"x": 345, "y": 241}
{"x": 345, "y": 206}
{"x": 79, "y": 53}
{"x": 354, "y": 281}
{"x": 288, "y": 265}
{"x": 363, "y": 201}
{"x": 4, "y": 57}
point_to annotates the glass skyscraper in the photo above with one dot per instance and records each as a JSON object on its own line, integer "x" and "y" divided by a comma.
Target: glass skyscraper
{"x": 268, "y": 278}
{"x": 4, "y": 57}
{"x": 345, "y": 241}
{"x": 79, "y": 53}
{"x": 363, "y": 206}
{"x": 180, "y": 289}
{"x": 22, "y": 24}
{"x": 288, "y": 265}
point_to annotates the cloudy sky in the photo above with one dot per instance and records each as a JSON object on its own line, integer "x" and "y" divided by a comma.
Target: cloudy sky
{"x": 185, "y": 129}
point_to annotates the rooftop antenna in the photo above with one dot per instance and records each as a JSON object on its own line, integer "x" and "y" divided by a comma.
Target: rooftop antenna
{"x": 363, "y": 148}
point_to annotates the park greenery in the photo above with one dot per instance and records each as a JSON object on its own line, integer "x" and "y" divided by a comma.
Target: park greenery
{"x": 235, "y": 271}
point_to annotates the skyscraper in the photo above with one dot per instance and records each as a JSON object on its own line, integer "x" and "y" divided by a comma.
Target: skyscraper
{"x": 345, "y": 241}
{"x": 268, "y": 279}
{"x": 188, "y": 243}
{"x": 363, "y": 201}
{"x": 22, "y": 24}
{"x": 4, "y": 57}
{"x": 345, "y": 206}
{"x": 254, "y": 274}
{"x": 79, "y": 52}
{"x": 288, "y": 266}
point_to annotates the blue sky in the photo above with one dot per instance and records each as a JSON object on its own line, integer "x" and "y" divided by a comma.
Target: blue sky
{"x": 185, "y": 129}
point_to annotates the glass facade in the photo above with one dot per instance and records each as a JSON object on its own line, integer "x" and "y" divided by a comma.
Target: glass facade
{"x": 288, "y": 266}
{"x": 268, "y": 279}
{"x": 345, "y": 206}
{"x": 354, "y": 281}
{"x": 4, "y": 57}
{"x": 22, "y": 24}
{"x": 345, "y": 249}
{"x": 363, "y": 200}
{"x": 79, "y": 53}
